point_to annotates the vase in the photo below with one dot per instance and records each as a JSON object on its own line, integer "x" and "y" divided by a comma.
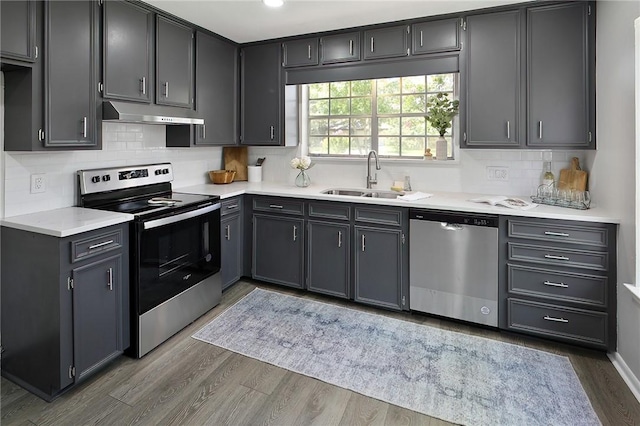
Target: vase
{"x": 441, "y": 148}
{"x": 303, "y": 180}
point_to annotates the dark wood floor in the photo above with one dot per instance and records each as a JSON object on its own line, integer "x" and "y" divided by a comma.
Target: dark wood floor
{"x": 189, "y": 382}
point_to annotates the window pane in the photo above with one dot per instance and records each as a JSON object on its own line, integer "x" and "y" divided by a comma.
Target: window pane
{"x": 389, "y": 126}
{"x": 318, "y": 90}
{"x": 339, "y": 126}
{"x": 440, "y": 82}
{"x": 319, "y": 107}
{"x": 339, "y": 145}
{"x": 413, "y": 146}
{"x": 389, "y": 104}
{"x": 360, "y": 146}
{"x": 414, "y": 104}
{"x": 388, "y": 86}
{"x": 361, "y": 126}
{"x": 361, "y": 88}
{"x": 318, "y": 127}
{"x": 361, "y": 106}
{"x": 413, "y": 84}
{"x": 319, "y": 146}
{"x": 413, "y": 126}
{"x": 339, "y": 89}
{"x": 339, "y": 106}
{"x": 389, "y": 146}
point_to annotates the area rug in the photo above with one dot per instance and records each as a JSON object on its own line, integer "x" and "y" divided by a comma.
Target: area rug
{"x": 452, "y": 376}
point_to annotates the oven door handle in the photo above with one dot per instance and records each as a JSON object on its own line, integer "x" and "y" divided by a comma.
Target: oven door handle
{"x": 182, "y": 216}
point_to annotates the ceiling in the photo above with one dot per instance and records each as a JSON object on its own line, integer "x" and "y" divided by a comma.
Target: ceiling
{"x": 249, "y": 20}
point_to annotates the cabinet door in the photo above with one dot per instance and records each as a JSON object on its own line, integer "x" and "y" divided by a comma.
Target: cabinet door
{"x": 216, "y": 91}
{"x": 559, "y": 44}
{"x": 378, "y": 266}
{"x": 386, "y": 42}
{"x": 299, "y": 53}
{"x": 71, "y": 52}
{"x": 231, "y": 248}
{"x": 491, "y": 81}
{"x": 174, "y": 63}
{"x": 435, "y": 36}
{"x": 278, "y": 250}
{"x": 18, "y": 30}
{"x": 340, "y": 48}
{"x": 127, "y": 44}
{"x": 261, "y": 95}
{"x": 97, "y": 313}
{"x": 328, "y": 259}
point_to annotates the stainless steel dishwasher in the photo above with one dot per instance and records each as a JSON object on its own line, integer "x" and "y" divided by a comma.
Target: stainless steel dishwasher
{"x": 454, "y": 265}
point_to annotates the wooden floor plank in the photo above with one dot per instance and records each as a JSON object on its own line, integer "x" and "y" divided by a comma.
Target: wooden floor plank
{"x": 364, "y": 411}
{"x": 324, "y": 406}
{"x": 263, "y": 377}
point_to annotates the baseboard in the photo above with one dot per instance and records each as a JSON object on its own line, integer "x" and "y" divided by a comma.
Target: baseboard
{"x": 627, "y": 375}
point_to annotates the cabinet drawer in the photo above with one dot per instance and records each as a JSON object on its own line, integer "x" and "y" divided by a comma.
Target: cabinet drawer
{"x": 381, "y": 216}
{"x": 557, "y": 285}
{"x": 95, "y": 245}
{"x": 560, "y": 256}
{"x": 551, "y": 320}
{"x": 281, "y": 205}
{"x": 340, "y": 211}
{"x": 233, "y": 205}
{"x": 566, "y": 233}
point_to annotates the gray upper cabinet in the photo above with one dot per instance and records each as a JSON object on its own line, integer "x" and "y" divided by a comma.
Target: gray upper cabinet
{"x": 71, "y": 53}
{"x": 435, "y": 36}
{"x": 216, "y": 91}
{"x": 127, "y": 52}
{"x": 299, "y": 53}
{"x": 387, "y": 42}
{"x": 18, "y": 30}
{"x": 261, "y": 95}
{"x": 340, "y": 48}
{"x": 174, "y": 63}
{"x": 560, "y": 86}
{"x": 490, "y": 80}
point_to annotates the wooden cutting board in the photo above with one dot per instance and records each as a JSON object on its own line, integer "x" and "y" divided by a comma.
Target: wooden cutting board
{"x": 236, "y": 158}
{"x": 573, "y": 178}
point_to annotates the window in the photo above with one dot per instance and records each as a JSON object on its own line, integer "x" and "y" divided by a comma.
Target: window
{"x": 350, "y": 118}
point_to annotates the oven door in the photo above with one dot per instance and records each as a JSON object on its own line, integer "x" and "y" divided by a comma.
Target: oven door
{"x": 175, "y": 253}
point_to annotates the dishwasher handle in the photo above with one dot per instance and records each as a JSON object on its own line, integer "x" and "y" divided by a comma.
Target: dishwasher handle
{"x": 451, "y": 226}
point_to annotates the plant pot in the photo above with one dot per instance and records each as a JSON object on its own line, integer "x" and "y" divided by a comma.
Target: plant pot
{"x": 441, "y": 148}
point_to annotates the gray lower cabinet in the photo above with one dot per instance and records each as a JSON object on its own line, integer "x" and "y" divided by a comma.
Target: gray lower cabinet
{"x": 340, "y": 48}
{"x": 70, "y": 75}
{"x": 328, "y": 258}
{"x": 389, "y": 42}
{"x": 261, "y": 95}
{"x": 490, "y": 60}
{"x": 18, "y": 30}
{"x": 561, "y": 76}
{"x": 299, "y": 53}
{"x": 435, "y": 36}
{"x": 69, "y": 316}
{"x": 231, "y": 232}
{"x": 174, "y": 63}
{"x": 558, "y": 280}
{"x": 128, "y": 52}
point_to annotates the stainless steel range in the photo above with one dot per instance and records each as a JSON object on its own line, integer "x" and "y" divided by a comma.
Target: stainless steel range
{"x": 175, "y": 247}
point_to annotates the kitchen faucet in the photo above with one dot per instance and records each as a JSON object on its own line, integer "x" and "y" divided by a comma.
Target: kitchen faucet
{"x": 374, "y": 180}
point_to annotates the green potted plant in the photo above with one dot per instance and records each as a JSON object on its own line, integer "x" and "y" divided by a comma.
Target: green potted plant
{"x": 440, "y": 113}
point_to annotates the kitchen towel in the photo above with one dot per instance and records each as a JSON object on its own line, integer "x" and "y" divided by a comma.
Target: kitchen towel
{"x": 414, "y": 196}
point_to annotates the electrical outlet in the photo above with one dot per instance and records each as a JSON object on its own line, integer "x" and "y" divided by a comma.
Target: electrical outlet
{"x": 38, "y": 183}
{"x": 497, "y": 173}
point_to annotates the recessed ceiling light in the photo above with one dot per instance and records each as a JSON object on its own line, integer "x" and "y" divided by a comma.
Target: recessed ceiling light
{"x": 273, "y": 3}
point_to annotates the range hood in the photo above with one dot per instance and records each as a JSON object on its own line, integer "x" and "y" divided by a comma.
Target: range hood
{"x": 129, "y": 112}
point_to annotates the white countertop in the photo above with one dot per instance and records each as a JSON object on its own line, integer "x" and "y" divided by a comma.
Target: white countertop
{"x": 66, "y": 221}
{"x": 454, "y": 201}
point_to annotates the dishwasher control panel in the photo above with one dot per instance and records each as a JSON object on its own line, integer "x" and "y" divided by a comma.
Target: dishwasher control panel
{"x": 460, "y": 218}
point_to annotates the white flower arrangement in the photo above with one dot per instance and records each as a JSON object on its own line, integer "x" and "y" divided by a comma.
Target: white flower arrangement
{"x": 302, "y": 163}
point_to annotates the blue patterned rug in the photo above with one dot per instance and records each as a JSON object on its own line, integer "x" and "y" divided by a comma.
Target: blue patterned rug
{"x": 451, "y": 376}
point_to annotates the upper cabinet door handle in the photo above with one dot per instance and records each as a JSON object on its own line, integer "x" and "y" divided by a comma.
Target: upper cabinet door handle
{"x": 421, "y": 38}
{"x": 540, "y": 130}
{"x": 350, "y": 47}
{"x": 372, "y": 44}
{"x": 166, "y": 89}
{"x": 84, "y": 127}
{"x": 508, "y": 130}
{"x": 309, "y": 51}
{"x": 143, "y": 85}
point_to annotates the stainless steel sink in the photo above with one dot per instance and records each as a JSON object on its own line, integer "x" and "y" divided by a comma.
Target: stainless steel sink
{"x": 363, "y": 193}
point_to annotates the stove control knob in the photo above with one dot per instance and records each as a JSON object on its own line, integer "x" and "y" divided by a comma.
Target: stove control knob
{"x": 106, "y": 178}
{"x": 165, "y": 171}
{"x": 95, "y": 179}
{"x": 157, "y": 172}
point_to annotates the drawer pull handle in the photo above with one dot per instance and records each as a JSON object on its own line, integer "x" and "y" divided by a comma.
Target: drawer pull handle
{"x": 233, "y": 206}
{"x": 548, "y": 318}
{"x": 104, "y": 243}
{"x": 556, "y": 234}
{"x": 552, "y": 284}
{"x": 552, "y": 257}
{"x": 275, "y": 206}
